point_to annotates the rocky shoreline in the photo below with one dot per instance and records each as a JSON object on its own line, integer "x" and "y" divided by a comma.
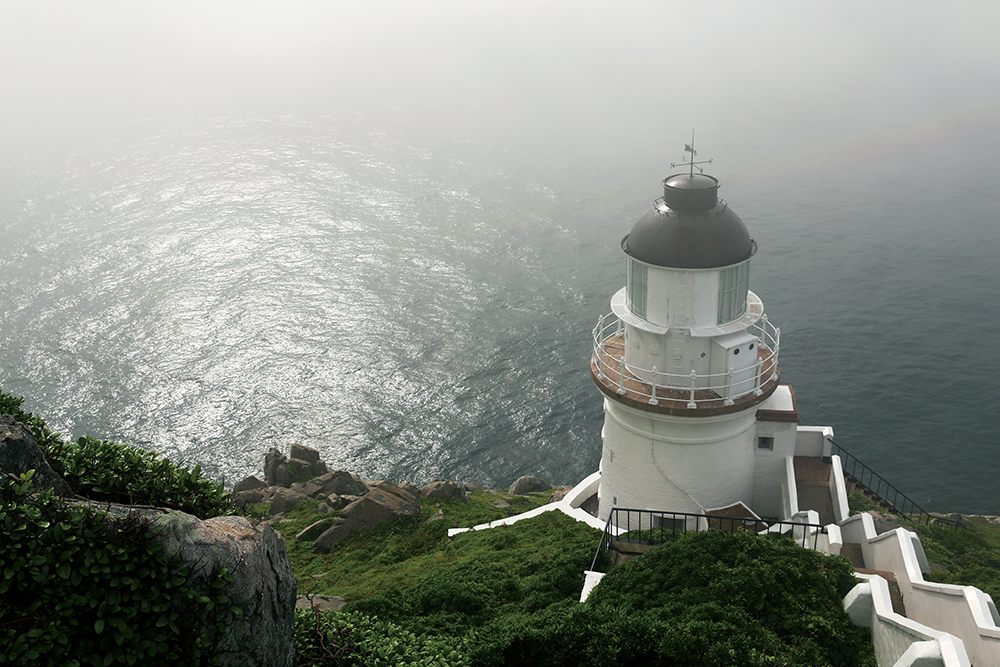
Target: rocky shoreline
{"x": 360, "y": 504}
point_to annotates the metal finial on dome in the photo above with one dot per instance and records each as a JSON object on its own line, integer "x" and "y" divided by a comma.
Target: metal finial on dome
{"x": 689, "y": 148}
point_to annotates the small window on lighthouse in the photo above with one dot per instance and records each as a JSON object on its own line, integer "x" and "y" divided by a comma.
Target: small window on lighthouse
{"x": 765, "y": 442}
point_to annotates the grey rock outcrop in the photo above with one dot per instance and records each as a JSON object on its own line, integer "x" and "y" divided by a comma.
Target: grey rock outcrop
{"x": 19, "y": 453}
{"x": 263, "y": 586}
{"x": 285, "y": 499}
{"x": 528, "y": 484}
{"x": 252, "y": 496}
{"x": 383, "y": 502}
{"x": 248, "y": 484}
{"x": 320, "y": 602}
{"x": 440, "y": 488}
{"x": 272, "y": 461}
{"x": 338, "y": 482}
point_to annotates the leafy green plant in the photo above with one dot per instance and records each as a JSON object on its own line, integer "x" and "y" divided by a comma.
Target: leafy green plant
{"x": 709, "y": 598}
{"x": 332, "y": 639}
{"x": 11, "y": 405}
{"x": 116, "y": 472}
{"x": 81, "y": 588}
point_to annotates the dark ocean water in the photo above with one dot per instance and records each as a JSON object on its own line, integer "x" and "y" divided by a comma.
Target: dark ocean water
{"x": 417, "y": 311}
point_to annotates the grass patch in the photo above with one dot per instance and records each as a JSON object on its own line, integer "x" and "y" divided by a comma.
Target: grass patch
{"x": 858, "y": 502}
{"x": 386, "y": 556}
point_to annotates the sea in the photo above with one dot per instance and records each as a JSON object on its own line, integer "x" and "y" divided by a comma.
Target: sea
{"x": 406, "y": 276}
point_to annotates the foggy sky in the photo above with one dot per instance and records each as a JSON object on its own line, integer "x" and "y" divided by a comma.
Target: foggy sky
{"x": 76, "y": 73}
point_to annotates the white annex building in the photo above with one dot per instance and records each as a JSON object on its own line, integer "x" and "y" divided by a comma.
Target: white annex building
{"x": 697, "y": 423}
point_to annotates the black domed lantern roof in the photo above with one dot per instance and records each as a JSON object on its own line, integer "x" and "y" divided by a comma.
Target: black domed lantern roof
{"x": 690, "y": 228}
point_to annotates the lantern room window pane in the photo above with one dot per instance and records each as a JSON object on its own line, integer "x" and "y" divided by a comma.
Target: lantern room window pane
{"x": 734, "y": 283}
{"x": 635, "y": 287}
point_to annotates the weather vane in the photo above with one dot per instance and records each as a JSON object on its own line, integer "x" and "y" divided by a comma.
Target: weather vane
{"x": 689, "y": 148}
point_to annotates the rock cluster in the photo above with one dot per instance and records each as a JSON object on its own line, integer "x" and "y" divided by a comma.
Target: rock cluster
{"x": 356, "y": 504}
{"x": 360, "y": 504}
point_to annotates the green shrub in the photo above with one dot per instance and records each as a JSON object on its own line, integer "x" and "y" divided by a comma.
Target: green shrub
{"x": 80, "y": 588}
{"x": 328, "y": 639}
{"x": 483, "y": 575}
{"x": 120, "y": 473}
{"x": 711, "y": 599}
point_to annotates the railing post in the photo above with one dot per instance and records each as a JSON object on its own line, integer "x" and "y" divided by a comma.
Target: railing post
{"x": 762, "y": 340}
{"x": 653, "y": 400}
{"x": 729, "y": 387}
{"x": 691, "y": 404}
{"x": 756, "y": 382}
{"x": 621, "y": 377}
{"x": 619, "y": 330}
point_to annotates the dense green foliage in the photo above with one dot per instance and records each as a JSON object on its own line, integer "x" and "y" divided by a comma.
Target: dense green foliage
{"x": 715, "y": 598}
{"x": 508, "y": 596}
{"x": 480, "y": 577}
{"x": 79, "y": 588}
{"x": 120, "y": 473}
{"x": 328, "y": 639}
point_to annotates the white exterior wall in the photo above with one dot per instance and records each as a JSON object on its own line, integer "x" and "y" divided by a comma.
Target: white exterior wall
{"x": 683, "y": 464}
{"x": 771, "y": 467}
{"x": 813, "y": 441}
{"x": 962, "y": 611}
{"x": 899, "y": 641}
{"x": 682, "y": 298}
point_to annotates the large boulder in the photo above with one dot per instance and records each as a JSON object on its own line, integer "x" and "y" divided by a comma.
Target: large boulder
{"x": 338, "y": 482}
{"x": 285, "y": 499}
{"x": 528, "y": 484}
{"x": 19, "y": 453}
{"x": 441, "y": 488}
{"x": 263, "y": 586}
{"x": 303, "y": 453}
{"x": 272, "y": 461}
{"x": 248, "y": 484}
{"x": 385, "y": 501}
{"x": 317, "y": 466}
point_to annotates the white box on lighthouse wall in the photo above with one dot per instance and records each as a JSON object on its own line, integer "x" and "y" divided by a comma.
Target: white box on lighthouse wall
{"x": 739, "y": 352}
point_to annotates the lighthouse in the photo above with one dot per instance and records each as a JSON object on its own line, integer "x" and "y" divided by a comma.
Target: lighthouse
{"x": 684, "y": 361}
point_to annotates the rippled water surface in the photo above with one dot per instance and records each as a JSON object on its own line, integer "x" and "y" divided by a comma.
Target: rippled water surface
{"x": 388, "y": 235}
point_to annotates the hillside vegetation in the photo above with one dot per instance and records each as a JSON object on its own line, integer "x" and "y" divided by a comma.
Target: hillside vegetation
{"x": 506, "y": 596}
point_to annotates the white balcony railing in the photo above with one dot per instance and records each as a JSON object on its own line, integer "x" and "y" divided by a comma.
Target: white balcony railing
{"x": 694, "y": 390}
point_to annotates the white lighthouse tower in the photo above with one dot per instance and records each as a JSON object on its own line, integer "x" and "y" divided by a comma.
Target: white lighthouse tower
{"x": 685, "y": 358}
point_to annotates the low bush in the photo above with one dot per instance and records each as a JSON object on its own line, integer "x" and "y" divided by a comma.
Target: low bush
{"x": 335, "y": 639}
{"x": 114, "y": 472}
{"x": 79, "y": 588}
{"x": 711, "y": 599}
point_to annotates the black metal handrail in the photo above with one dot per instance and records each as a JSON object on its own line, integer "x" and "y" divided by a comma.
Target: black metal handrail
{"x": 868, "y": 480}
{"x": 652, "y": 527}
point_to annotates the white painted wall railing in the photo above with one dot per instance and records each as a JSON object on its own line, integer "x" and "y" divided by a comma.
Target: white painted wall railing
{"x": 900, "y": 641}
{"x": 962, "y": 611}
{"x": 616, "y": 372}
